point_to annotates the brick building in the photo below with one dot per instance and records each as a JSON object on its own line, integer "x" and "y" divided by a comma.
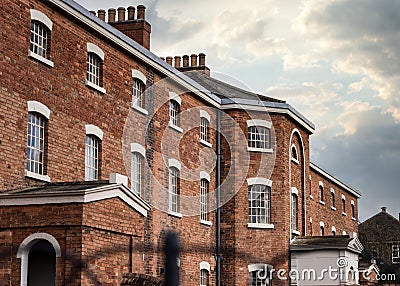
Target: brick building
{"x": 105, "y": 147}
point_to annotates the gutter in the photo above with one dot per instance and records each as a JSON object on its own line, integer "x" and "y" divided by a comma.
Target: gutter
{"x": 218, "y": 193}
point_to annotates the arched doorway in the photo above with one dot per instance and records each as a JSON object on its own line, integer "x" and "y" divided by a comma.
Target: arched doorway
{"x": 42, "y": 264}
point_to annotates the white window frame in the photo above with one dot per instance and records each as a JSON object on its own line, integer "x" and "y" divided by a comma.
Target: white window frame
{"x": 96, "y": 134}
{"x": 138, "y": 152}
{"x": 294, "y": 212}
{"x": 138, "y": 76}
{"x": 204, "y": 268}
{"x": 174, "y": 114}
{"x": 396, "y": 253}
{"x": 205, "y": 120}
{"x": 204, "y": 203}
{"x": 44, "y": 112}
{"x": 262, "y": 124}
{"x": 344, "y": 205}
{"x": 321, "y": 193}
{"x": 333, "y": 230}
{"x": 263, "y": 272}
{"x": 173, "y": 180}
{"x": 294, "y": 159}
{"x": 353, "y": 210}
{"x": 39, "y": 18}
{"x": 93, "y": 50}
{"x": 333, "y": 199}
{"x": 259, "y": 181}
{"x": 25, "y": 247}
{"x": 321, "y": 228}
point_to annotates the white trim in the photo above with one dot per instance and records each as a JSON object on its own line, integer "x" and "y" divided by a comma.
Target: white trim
{"x": 332, "y": 190}
{"x": 352, "y": 203}
{"x": 205, "y": 266}
{"x": 321, "y": 184}
{"x": 344, "y": 232}
{"x": 92, "y": 48}
{"x": 94, "y": 130}
{"x": 343, "y": 197}
{"x": 322, "y": 202}
{"x": 83, "y": 196}
{"x": 25, "y": 247}
{"x": 176, "y": 128}
{"x": 40, "y": 58}
{"x": 296, "y": 232}
{"x": 334, "y": 229}
{"x": 174, "y": 96}
{"x": 205, "y": 175}
{"x": 260, "y": 225}
{"x": 296, "y": 160}
{"x": 139, "y": 75}
{"x": 204, "y": 114}
{"x": 175, "y": 214}
{"x": 137, "y": 148}
{"x": 36, "y": 106}
{"x": 321, "y": 223}
{"x": 259, "y": 181}
{"x": 205, "y": 143}
{"x": 295, "y": 191}
{"x": 36, "y": 15}
{"x": 335, "y": 180}
{"x": 333, "y": 208}
{"x": 206, "y": 222}
{"x": 259, "y": 122}
{"x": 36, "y": 176}
{"x": 253, "y": 149}
{"x": 310, "y": 219}
{"x": 139, "y": 109}
{"x": 116, "y": 178}
{"x": 257, "y": 267}
{"x": 344, "y": 214}
{"x": 95, "y": 86}
{"x": 174, "y": 163}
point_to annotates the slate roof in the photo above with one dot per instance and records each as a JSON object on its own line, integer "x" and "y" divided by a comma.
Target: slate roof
{"x": 225, "y": 90}
{"x": 326, "y": 242}
{"x": 380, "y": 226}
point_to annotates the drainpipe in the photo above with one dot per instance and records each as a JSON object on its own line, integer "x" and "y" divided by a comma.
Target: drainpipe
{"x": 218, "y": 194}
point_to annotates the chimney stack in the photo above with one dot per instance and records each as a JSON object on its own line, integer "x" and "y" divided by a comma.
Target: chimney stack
{"x": 177, "y": 61}
{"x": 197, "y": 63}
{"x": 169, "y": 60}
{"x": 101, "y": 14}
{"x": 202, "y": 60}
{"x": 137, "y": 29}
{"x": 121, "y": 14}
{"x": 193, "y": 60}
{"x": 185, "y": 61}
{"x": 383, "y": 209}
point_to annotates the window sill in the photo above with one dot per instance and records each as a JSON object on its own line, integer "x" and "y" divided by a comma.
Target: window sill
{"x": 311, "y": 197}
{"x": 40, "y": 59}
{"x": 139, "y": 109}
{"x": 35, "y": 176}
{"x": 176, "y": 128}
{"x": 95, "y": 86}
{"x": 206, "y": 222}
{"x": 262, "y": 150}
{"x": 333, "y": 208}
{"x": 260, "y": 225}
{"x": 296, "y": 232}
{"x": 322, "y": 203}
{"x": 353, "y": 218}
{"x": 343, "y": 213}
{"x": 295, "y": 161}
{"x": 175, "y": 214}
{"x": 205, "y": 143}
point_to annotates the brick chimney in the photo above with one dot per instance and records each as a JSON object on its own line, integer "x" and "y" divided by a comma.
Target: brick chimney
{"x": 197, "y": 63}
{"x": 383, "y": 209}
{"x": 138, "y": 29}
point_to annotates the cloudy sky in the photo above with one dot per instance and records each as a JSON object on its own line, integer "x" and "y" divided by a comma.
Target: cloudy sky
{"x": 336, "y": 61}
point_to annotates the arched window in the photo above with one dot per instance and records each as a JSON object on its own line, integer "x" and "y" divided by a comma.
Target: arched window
{"x": 295, "y": 155}
{"x": 174, "y": 186}
{"x": 174, "y": 111}
{"x": 333, "y": 199}
{"x": 36, "y": 153}
{"x": 204, "y": 189}
{"x": 204, "y": 273}
{"x": 204, "y": 127}
{"x": 94, "y": 135}
{"x": 40, "y": 40}
{"x": 259, "y": 135}
{"x": 295, "y": 210}
{"x": 94, "y": 67}
{"x": 343, "y": 205}
{"x": 353, "y": 210}
{"x": 138, "y": 153}
{"x": 138, "y": 93}
{"x": 333, "y": 230}
{"x": 38, "y": 253}
{"x": 321, "y": 192}
{"x": 321, "y": 229}
{"x": 259, "y": 201}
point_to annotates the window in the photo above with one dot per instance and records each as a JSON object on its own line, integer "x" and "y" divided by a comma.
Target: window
{"x": 174, "y": 110}
{"x": 353, "y": 210}
{"x": 333, "y": 199}
{"x": 321, "y": 193}
{"x": 259, "y": 204}
{"x": 40, "y": 37}
{"x": 259, "y": 274}
{"x": 138, "y": 93}
{"x": 94, "y": 135}
{"x": 94, "y": 67}
{"x": 333, "y": 230}
{"x": 38, "y": 115}
{"x": 204, "y": 273}
{"x": 344, "y": 205}
{"x": 321, "y": 229}
{"x": 205, "y": 128}
{"x": 295, "y": 156}
{"x": 396, "y": 253}
{"x": 204, "y": 187}
{"x": 295, "y": 212}
{"x": 138, "y": 154}
{"x": 173, "y": 190}
{"x": 259, "y": 135}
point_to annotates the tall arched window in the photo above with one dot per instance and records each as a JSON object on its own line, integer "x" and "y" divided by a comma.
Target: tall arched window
{"x": 94, "y": 67}
{"x": 94, "y": 135}
{"x": 40, "y": 37}
{"x": 138, "y": 155}
{"x": 204, "y": 273}
{"x": 295, "y": 211}
{"x": 259, "y": 202}
{"x": 174, "y": 187}
{"x": 138, "y": 88}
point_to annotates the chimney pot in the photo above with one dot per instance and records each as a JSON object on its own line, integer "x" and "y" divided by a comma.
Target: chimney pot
{"x": 111, "y": 15}
{"x": 102, "y": 14}
{"x": 121, "y": 14}
{"x": 131, "y": 13}
{"x": 202, "y": 59}
{"x": 141, "y": 12}
{"x": 169, "y": 60}
{"x": 185, "y": 61}
{"x": 383, "y": 209}
{"x": 193, "y": 60}
{"x": 177, "y": 61}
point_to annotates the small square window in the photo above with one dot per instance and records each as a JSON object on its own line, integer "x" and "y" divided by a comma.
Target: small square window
{"x": 259, "y": 137}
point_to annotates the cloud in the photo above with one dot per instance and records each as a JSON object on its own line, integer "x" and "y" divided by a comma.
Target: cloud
{"x": 292, "y": 61}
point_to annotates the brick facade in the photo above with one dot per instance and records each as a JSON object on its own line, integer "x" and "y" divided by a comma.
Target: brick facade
{"x": 102, "y": 239}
